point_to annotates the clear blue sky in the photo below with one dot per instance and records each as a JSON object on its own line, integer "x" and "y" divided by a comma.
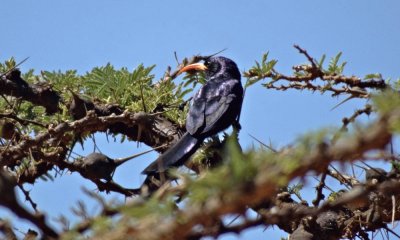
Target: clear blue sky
{"x": 61, "y": 35}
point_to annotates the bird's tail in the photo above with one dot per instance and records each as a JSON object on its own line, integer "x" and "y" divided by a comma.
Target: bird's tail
{"x": 175, "y": 156}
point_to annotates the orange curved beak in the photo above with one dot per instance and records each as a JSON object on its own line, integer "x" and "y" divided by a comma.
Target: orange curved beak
{"x": 193, "y": 67}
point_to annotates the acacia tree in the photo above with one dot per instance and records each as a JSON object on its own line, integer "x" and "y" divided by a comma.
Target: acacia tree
{"x": 44, "y": 116}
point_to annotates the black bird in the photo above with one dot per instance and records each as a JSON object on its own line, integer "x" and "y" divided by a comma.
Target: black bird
{"x": 214, "y": 108}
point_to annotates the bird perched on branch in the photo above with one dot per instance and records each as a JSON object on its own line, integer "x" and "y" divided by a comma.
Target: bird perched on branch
{"x": 214, "y": 108}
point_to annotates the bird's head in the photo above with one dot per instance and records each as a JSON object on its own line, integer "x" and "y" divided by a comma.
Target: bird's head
{"x": 215, "y": 68}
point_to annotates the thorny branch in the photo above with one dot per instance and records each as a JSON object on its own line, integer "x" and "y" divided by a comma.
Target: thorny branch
{"x": 28, "y": 197}
{"x": 59, "y": 134}
{"x": 264, "y": 186}
{"x": 9, "y": 200}
{"x": 7, "y": 230}
{"x": 305, "y": 76}
{"x": 20, "y": 120}
{"x": 32, "y": 156}
{"x": 261, "y": 193}
{"x": 42, "y": 94}
{"x": 346, "y": 121}
{"x": 319, "y": 189}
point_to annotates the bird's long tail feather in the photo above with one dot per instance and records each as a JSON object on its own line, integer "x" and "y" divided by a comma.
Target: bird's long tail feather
{"x": 174, "y": 156}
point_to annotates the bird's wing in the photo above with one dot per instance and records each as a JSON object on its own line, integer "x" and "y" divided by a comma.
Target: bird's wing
{"x": 196, "y": 118}
{"x": 204, "y": 113}
{"x": 207, "y": 110}
{"x": 216, "y": 109}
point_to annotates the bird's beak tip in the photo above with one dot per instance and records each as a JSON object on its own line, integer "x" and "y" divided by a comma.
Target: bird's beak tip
{"x": 193, "y": 67}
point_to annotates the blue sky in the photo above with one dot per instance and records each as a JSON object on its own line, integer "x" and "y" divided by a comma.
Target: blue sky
{"x": 61, "y": 35}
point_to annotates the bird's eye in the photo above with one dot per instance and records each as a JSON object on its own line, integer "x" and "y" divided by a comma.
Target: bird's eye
{"x": 206, "y": 63}
{"x": 213, "y": 68}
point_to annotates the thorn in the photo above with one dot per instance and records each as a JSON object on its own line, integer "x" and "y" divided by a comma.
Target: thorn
{"x": 337, "y": 105}
{"x": 10, "y": 70}
{"x": 212, "y": 55}
{"x": 263, "y": 144}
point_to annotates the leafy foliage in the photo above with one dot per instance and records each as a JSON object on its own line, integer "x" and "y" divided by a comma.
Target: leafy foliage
{"x": 334, "y": 67}
{"x": 260, "y": 69}
{"x": 134, "y": 90}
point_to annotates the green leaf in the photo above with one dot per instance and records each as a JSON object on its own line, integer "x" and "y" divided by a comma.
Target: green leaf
{"x": 334, "y": 66}
{"x": 10, "y": 63}
{"x": 321, "y": 61}
{"x": 295, "y": 189}
{"x": 260, "y": 70}
{"x": 373, "y": 76}
{"x": 251, "y": 81}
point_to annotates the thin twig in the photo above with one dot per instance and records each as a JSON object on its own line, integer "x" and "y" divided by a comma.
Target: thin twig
{"x": 28, "y": 197}
{"x": 319, "y": 189}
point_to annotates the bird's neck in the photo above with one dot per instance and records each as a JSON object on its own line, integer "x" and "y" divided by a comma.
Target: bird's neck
{"x": 225, "y": 74}
{"x": 220, "y": 77}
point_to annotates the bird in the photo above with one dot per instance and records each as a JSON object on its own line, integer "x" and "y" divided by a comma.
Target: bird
{"x": 215, "y": 107}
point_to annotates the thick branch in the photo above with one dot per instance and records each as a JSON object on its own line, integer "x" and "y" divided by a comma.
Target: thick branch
{"x": 38, "y": 94}
{"x": 56, "y": 136}
{"x": 264, "y": 185}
